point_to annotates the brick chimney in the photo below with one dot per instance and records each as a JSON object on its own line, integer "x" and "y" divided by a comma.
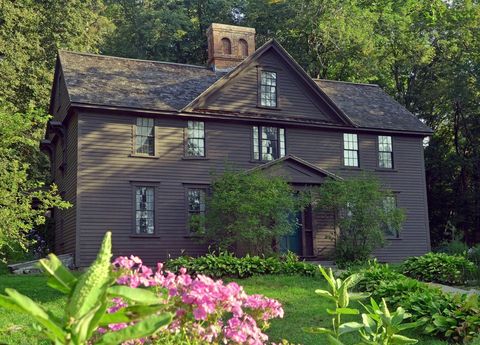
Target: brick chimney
{"x": 228, "y": 45}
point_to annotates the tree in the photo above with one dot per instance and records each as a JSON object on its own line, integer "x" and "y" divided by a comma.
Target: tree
{"x": 361, "y": 214}
{"x": 250, "y": 211}
{"x": 18, "y": 190}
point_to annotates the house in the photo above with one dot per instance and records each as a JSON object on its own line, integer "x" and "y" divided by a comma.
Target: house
{"x": 133, "y": 144}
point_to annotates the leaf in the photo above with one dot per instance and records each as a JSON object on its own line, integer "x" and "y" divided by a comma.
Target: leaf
{"x": 398, "y": 339}
{"x": 349, "y": 327}
{"x": 368, "y": 323}
{"x": 355, "y": 296}
{"x": 141, "y": 329}
{"x": 8, "y": 303}
{"x": 317, "y": 330}
{"x": 333, "y": 341}
{"x": 60, "y": 277}
{"x": 137, "y": 295}
{"x": 129, "y": 314}
{"x": 347, "y": 311}
{"x": 81, "y": 327}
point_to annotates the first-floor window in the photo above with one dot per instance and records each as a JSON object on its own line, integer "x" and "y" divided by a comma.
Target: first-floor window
{"x": 389, "y": 204}
{"x": 350, "y": 150}
{"x": 195, "y": 139}
{"x": 144, "y": 210}
{"x": 268, "y": 143}
{"x": 196, "y": 208}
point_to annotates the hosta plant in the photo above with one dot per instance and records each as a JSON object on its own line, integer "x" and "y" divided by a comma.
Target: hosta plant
{"x": 382, "y": 327}
{"x": 89, "y": 298}
{"x": 340, "y": 295}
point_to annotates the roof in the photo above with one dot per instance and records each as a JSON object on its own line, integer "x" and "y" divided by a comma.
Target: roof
{"x": 163, "y": 86}
{"x": 368, "y": 106}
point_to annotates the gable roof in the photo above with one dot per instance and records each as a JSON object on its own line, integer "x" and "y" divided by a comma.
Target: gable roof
{"x": 371, "y": 107}
{"x": 100, "y": 80}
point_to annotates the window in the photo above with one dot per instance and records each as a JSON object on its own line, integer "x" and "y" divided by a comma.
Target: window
{"x": 389, "y": 204}
{"x": 268, "y": 89}
{"x": 268, "y": 143}
{"x": 144, "y": 136}
{"x": 350, "y": 150}
{"x": 196, "y": 207}
{"x": 243, "y": 47}
{"x": 144, "y": 210}
{"x": 226, "y": 46}
{"x": 195, "y": 139}
{"x": 385, "y": 152}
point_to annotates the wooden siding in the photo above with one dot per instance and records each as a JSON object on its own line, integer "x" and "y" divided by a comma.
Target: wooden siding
{"x": 106, "y": 172}
{"x": 294, "y": 98}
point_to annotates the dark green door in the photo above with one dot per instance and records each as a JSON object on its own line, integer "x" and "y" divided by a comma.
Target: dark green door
{"x": 293, "y": 241}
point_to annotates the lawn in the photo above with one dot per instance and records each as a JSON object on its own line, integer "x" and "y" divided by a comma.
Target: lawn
{"x": 302, "y": 308}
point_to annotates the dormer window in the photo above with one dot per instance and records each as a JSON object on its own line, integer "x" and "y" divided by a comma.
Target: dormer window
{"x": 268, "y": 89}
{"x": 226, "y": 46}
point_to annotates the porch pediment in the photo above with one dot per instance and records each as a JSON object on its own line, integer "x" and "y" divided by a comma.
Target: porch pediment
{"x": 295, "y": 170}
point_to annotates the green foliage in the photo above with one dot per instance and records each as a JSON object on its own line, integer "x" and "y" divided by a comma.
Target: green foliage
{"x": 88, "y": 299}
{"x": 249, "y": 211}
{"x": 454, "y": 247}
{"x": 439, "y": 267}
{"x": 474, "y": 255}
{"x": 373, "y": 274}
{"x": 360, "y": 216}
{"x": 228, "y": 265}
{"x": 20, "y": 188}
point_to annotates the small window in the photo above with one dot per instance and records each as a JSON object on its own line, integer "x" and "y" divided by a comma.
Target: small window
{"x": 268, "y": 143}
{"x": 350, "y": 150}
{"x": 144, "y": 137}
{"x": 196, "y": 207}
{"x": 389, "y": 204}
{"x": 243, "y": 47}
{"x": 268, "y": 89}
{"x": 144, "y": 210}
{"x": 195, "y": 139}
{"x": 226, "y": 46}
{"x": 385, "y": 152}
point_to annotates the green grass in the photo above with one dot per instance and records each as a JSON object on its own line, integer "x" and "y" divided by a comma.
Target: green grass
{"x": 302, "y": 308}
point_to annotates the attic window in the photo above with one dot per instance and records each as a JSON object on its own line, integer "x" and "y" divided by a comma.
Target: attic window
{"x": 226, "y": 46}
{"x": 268, "y": 89}
{"x": 243, "y": 47}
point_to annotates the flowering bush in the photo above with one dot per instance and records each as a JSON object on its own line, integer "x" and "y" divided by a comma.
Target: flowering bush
{"x": 205, "y": 310}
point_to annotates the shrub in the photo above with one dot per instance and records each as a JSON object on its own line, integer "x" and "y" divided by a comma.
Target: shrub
{"x": 228, "y": 265}
{"x": 474, "y": 255}
{"x": 439, "y": 267}
{"x": 454, "y": 247}
{"x": 373, "y": 274}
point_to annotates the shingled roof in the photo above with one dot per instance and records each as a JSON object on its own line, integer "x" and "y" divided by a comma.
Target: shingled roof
{"x": 150, "y": 85}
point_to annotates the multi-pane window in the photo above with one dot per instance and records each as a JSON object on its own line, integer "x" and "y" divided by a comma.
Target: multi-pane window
{"x": 350, "y": 150}
{"x": 268, "y": 143}
{"x": 144, "y": 210}
{"x": 196, "y": 208}
{"x": 195, "y": 139}
{"x": 385, "y": 152}
{"x": 389, "y": 204}
{"x": 268, "y": 89}
{"x": 144, "y": 136}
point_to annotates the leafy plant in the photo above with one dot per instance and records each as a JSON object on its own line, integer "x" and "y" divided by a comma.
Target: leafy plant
{"x": 453, "y": 247}
{"x": 88, "y": 299}
{"x": 373, "y": 273}
{"x": 340, "y": 295}
{"x": 439, "y": 267}
{"x": 382, "y": 327}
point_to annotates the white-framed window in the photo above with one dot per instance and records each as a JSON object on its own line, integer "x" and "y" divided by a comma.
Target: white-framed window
{"x": 268, "y": 143}
{"x": 268, "y": 89}
{"x": 145, "y": 136}
{"x": 195, "y": 139}
{"x": 350, "y": 150}
{"x": 144, "y": 210}
{"x": 385, "y": 152}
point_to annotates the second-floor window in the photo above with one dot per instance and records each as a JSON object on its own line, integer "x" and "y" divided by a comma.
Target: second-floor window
{"x": 385, "y": 152}
{"x": 195, "y": 139}
{"x": 268, "y": 89}
{"x": 350, "y": 150}
{"x": 268, "y": 143}
{"x": 144, "y": 210}
{"x": 196, "y": 209}
{"x": 144, "y": 137}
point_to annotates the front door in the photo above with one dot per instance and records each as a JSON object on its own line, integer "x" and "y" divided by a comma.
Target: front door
{"x": 293, "y": 241}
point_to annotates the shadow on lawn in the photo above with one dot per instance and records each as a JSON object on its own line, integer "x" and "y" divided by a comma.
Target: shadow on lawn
{"x": 34, "y": 286}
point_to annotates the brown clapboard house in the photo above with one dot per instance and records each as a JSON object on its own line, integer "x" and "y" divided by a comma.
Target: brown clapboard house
{"x": 133, "y": 145}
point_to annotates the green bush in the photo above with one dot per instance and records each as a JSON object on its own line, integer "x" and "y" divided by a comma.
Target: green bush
{"x": 228, "y": 265}
{"x": 439, "y": 268}
{"x": 454, "y": 247}
{"x": 474, "y": 255}
{"x": 373, "y": 274}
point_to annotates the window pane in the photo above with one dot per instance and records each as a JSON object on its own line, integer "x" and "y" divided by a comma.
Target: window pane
{"x": 196, "y": 207}
{"x": 144, "y": 136}
{"x": 268, "y": 89}
{"x": 255, "y": 143}
{"x": 145, "y": 210}
{"x": 195, "y": 139}
{"x": 282, "y": 142}
{"x": 350, "y": 150}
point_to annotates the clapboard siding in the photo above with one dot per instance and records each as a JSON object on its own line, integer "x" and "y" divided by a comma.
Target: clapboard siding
{"x": 294, "y": 98}
{"x": 106, "y": 172}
